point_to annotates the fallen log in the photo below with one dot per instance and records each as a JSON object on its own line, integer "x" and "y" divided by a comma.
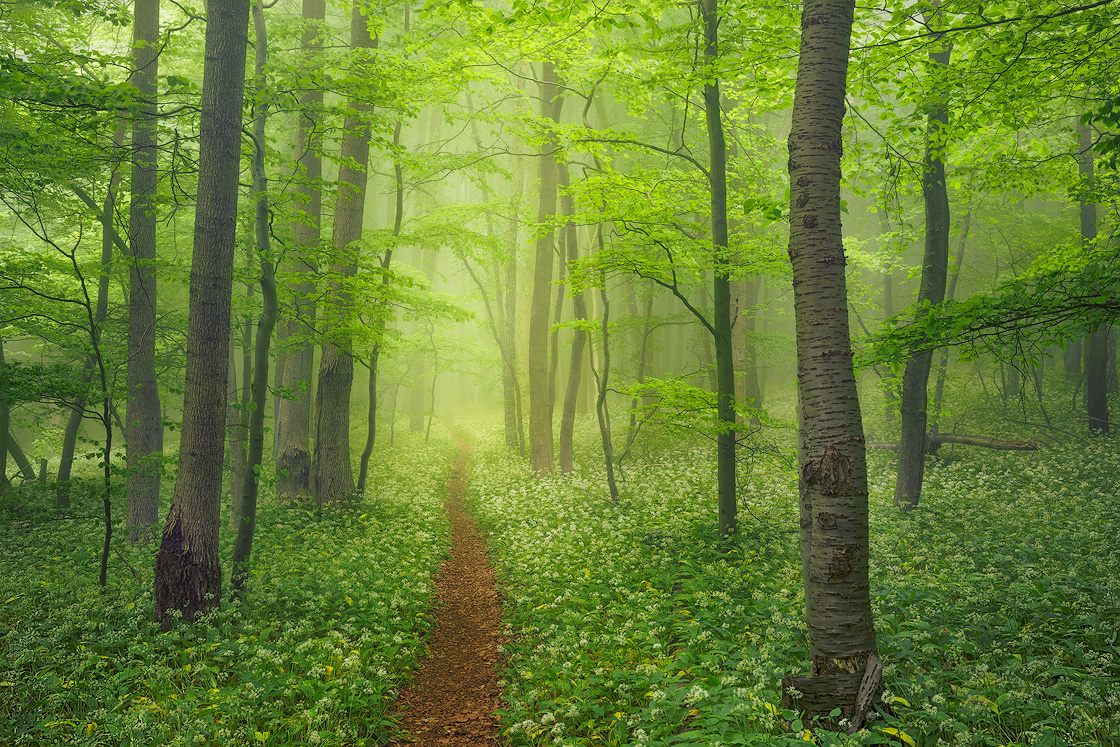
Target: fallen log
{"x": 936, "y": 439}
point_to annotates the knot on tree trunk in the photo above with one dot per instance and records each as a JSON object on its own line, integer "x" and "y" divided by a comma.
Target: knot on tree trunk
{"x": 831, "y": 474}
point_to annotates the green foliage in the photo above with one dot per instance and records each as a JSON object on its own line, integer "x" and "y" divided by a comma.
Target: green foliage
{"x": 338, "y": 607}
{"x": 633, "y": 624}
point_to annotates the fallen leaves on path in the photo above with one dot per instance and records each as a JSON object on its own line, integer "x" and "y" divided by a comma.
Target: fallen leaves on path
{"x": 452, "y": 700}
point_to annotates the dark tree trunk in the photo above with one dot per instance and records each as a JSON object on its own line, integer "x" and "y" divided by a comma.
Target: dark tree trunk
{"x": 332, "y": 472}
{"x": 540, "y": 396}
{"x": 935, "y": 267}
{"x": 943, "y": 364}
{"x": 833, "y": 461}
{"x": 188, "y": 577}
{"x": 78, "y": 408}
{"x": 144, "y": 426}
{"x": 247, "y": 516}
{"x": 579, "y": 338}
{"x": 293, "y": 427}
{"x": 1096, "y": 344}
{"x": 721, "y": 311}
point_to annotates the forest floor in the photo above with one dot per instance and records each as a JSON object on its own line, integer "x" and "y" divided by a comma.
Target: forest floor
{"x": 453, "y": 698}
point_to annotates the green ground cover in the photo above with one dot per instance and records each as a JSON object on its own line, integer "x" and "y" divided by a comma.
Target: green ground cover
{"x": 337, "y": 612}
{"x": 997, "y": 601}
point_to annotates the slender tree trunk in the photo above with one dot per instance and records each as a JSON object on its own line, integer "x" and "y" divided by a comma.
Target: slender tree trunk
{"x": 188, "y": 580}
{"x": 579, "y": 338}
{"x": 1096, "y": 344}
{"x": 511, "y": 384}
{"x": 332, "y": 472}
{"x": 78, "y": 408}
{"x": 833, "y": 460}
{"x": 943, "y": 364}
{"x": 247, "y": 516}
{"x": 381, "y": 320}
{"x": 293, "y": 426}
{"x": 540, "y": 397}
{"x": 238, "y": 429}
{"x": 935, "y": 265}
{"x": 144, "y": 427}
{"x": 721, "y": 312}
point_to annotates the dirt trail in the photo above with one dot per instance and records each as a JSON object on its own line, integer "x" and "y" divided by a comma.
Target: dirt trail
{"x": 452, "y": 700}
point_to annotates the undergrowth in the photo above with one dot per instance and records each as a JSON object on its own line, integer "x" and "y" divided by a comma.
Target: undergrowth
{"x": 338, "y": 607}
{"x": 632, "y": 623}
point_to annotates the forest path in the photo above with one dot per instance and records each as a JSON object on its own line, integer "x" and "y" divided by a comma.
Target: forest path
{"x": 452, "y": 700}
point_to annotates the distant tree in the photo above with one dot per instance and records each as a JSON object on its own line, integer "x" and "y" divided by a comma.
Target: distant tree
{"x": 187, "y": 580}
{"x": 935, "y": 267}
{"x": 332, "y": 473}
{"x": 143, "y": 422}
{"x": 293, "y": 424}
{"x": 540, "y": 394}
{"x": 846, "y": 673}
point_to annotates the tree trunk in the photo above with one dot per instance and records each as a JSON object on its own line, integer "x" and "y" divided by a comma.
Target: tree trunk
{"x": 1096, "y": 347}
{"x": 540, "y": 397}
{"x": 833, "y": 461}
{"x": 935, "y": 266}
{"x": 579, "y": 337}
{"x": 380, "y": 321}
{"x": 293, "y": 427}
{"x": 511, "y": 385}
{"x": 247, "y": 516}
{"x": 78, "y": 408}
{"x": 332, "y": 472}
{"x": 188, "y": 580}
{"x": 144, "y": 426}
{"x": 721, "y": 311}
{"x": 943, "y": 364}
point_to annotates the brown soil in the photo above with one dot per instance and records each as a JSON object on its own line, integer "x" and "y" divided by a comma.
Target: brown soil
{"x": 452, "y": 700}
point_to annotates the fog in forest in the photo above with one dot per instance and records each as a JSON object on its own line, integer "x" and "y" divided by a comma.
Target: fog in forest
{"x": 551, "y": 373}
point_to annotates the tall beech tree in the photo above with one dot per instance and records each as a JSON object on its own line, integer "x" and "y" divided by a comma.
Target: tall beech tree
{"x": 293, "y": 425}
{"x": 914, "y": 407}
{"x": 846, "y": 672}
{"x": 332, "y": 473}
{"x": 187, "y": 579}
{"x": 144, "y": 427}
{"x": 540, "y": 394}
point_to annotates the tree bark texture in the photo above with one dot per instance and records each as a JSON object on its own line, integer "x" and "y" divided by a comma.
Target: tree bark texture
{"x": 187, "y": 571}
{"x": 143, "y": 422}
{"x": 579, "y": 337}
{"x": 721, "y": 290}
{"x": 332, "y": 472}
{"x": 832, "y": 457}
{"x": 935, "y": 267}
{"x": 1096, "y": 343}
{"x": 540, "y": 396}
